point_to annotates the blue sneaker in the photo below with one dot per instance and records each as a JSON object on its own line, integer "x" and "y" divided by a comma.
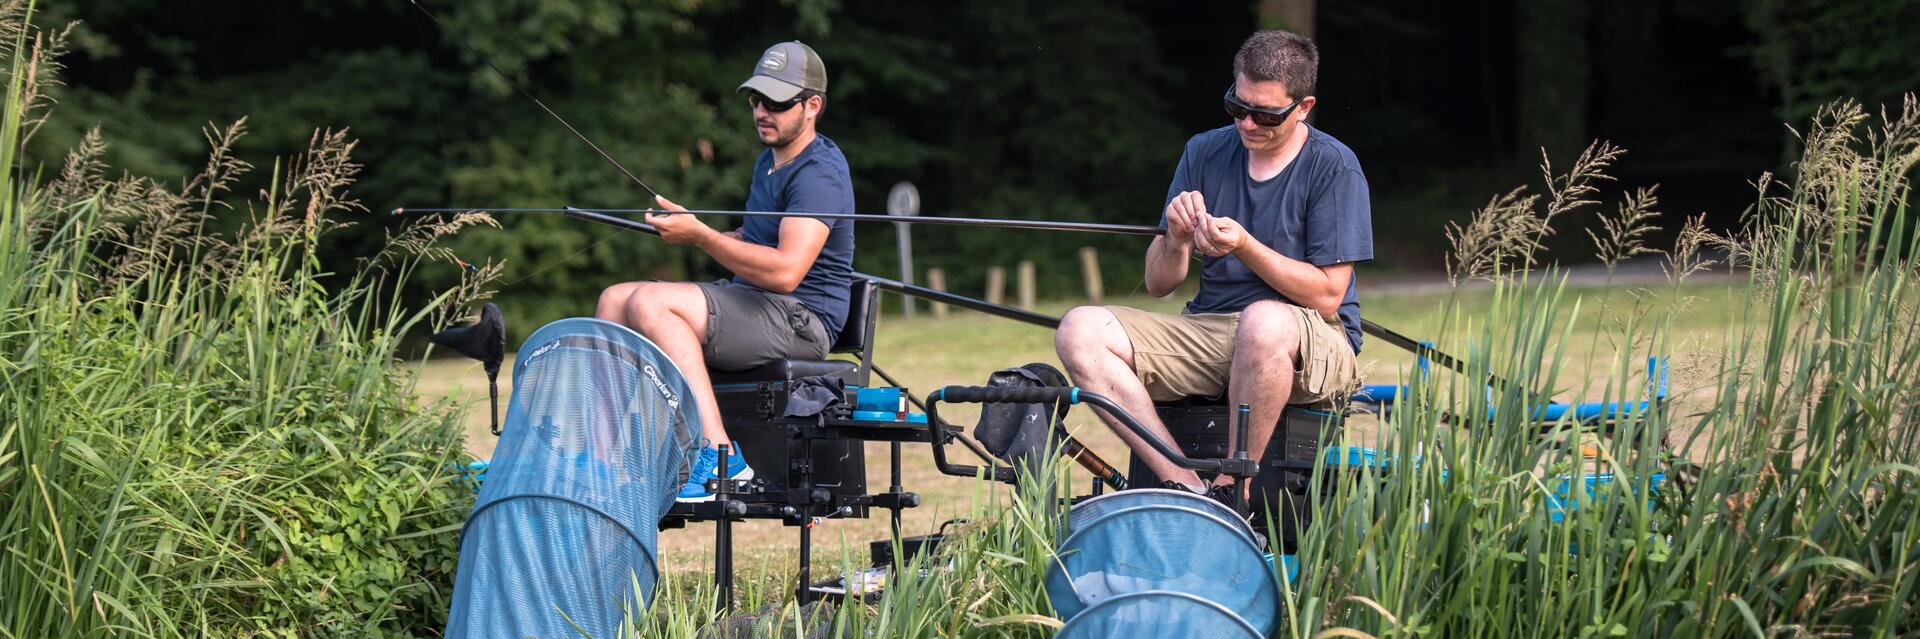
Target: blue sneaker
{"x": 706, "y": 466}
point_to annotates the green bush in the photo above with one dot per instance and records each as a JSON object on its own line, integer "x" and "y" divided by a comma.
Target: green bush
{"x": 196, "y": 437}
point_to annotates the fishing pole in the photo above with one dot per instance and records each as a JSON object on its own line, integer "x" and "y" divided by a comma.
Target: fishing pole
{"x": 1037, "y": 225}
{"x": 605, "y": 216}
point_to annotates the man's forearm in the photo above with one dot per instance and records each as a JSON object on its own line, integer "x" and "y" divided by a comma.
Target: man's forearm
{"x": 1305, "y": 284}
{"x": 762, "y": 266}
{"x": 1166, "y": 265}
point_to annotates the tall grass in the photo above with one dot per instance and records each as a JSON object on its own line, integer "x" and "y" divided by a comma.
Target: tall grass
{"x": 196, "y": 437}
{"x": 986, "y": 580}
{"x": 1795, "y": 510}
{"x": 1787, "y": 467}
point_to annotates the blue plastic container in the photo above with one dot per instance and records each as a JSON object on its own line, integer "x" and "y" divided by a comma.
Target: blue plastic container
{"x": 1598, "y": 488}
{"x": 884, "y": 404}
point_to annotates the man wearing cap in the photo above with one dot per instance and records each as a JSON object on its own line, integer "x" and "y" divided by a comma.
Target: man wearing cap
{"x": 1279, "y": 212}
{"x": 792, "y": 276}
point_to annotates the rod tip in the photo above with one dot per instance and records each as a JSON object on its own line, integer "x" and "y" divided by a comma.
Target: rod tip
{"x": 399, "y": 211}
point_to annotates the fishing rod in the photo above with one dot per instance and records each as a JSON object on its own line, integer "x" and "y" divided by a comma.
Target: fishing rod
{"x": 608, "y": 217}
{"x": 1035, "y": 225}
{"x": 604, "y": 216}
{"x": 1370, "y": 327}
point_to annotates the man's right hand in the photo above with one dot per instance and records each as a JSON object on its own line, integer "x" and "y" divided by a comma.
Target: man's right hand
{"x": 1167, "y": 256}
{"x": 679, "y": 228}
{"x": 1182, "y": 214}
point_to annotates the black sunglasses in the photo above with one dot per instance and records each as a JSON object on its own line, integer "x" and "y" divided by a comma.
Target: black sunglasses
{"x": 1263, "y": 117}
{"x": 754, "y": 99}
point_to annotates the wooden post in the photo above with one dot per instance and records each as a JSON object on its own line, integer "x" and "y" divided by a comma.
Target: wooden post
{"x": 1026, "y": 284}
{"x": 996, "y": 285}
{"x": 1090, "y": 274}
{"x": 937, "y": 280}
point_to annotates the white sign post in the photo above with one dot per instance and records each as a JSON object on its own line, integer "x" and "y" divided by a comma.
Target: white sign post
{"x": 904, "y": 200}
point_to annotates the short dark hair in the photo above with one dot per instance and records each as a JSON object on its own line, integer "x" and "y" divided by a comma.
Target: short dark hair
{"x": 1278, "y": 55}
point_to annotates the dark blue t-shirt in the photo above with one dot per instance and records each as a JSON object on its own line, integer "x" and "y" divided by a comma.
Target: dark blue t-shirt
{"x": 816, "y": 181}
{"x": 1316, "y": 211}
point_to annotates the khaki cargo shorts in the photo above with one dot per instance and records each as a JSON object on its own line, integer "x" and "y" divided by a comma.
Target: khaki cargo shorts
{"x": 1180, "y": 356}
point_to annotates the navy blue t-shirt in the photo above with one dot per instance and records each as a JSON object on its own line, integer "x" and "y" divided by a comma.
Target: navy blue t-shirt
{"x": 816, "y": 181}
{"x": 1316, "y": 211}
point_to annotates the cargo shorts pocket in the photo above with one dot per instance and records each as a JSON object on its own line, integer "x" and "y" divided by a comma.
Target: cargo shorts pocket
{"x": 1325, "y": 365}
{"x": 809, "y": 333}
{"x": 1312, "y": 377}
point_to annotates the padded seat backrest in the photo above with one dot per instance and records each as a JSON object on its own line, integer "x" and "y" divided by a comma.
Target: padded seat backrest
{"x": 862, "y": 310}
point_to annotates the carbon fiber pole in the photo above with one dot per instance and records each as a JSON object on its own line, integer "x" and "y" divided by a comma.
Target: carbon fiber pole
{"x": 982, "y": 222}
{"x": 999, "y": 310}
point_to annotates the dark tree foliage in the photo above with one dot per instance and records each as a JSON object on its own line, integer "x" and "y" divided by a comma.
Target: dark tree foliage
{"x": 1813, "y": 52}
{"x": 1070, "y": 109}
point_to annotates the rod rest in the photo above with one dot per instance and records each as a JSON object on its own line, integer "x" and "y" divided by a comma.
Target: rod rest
{"x": 485, "y": 340}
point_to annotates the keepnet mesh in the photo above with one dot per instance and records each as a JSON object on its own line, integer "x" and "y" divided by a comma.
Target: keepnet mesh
{"x": 1161, "y": 540}
{"x": 598, "y": 438}
{"x": 1092, "y": 510}
{"x": 1158, "y": 614}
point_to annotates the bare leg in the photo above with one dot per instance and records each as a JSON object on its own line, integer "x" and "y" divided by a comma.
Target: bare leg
{"x": 613, "y": 303}
{"x": 1265, "y": 352}
{"x": 674, "y": 316}
{"x": 1099, "y": 356}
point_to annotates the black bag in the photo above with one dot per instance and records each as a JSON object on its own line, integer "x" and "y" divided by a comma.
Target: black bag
{"x": 1023, "y": 434}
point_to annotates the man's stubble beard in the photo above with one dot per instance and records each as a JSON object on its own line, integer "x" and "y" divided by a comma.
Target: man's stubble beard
{"x": 783, "y": 137}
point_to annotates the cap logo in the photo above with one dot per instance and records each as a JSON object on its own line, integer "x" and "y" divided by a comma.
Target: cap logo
{"x": 775, "y": 60}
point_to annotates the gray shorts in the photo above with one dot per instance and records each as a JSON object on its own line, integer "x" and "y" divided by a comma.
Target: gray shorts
{"x": 749, "y": 327}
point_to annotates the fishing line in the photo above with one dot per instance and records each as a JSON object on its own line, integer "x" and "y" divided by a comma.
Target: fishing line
{"x": 1388, "y": 335}
{"x": 523, "y": 92}
{"x": 545, "y": 264}
{"x": 439, "y": 123}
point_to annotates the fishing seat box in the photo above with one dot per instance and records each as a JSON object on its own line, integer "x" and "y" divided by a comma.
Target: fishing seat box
{"x": 752, "y": 401}
{"x": 1199, "y": 429}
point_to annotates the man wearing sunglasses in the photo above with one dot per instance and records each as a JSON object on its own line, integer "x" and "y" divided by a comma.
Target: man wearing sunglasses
{"x": 1278, "y": 212}
{"x": 792, "y": 276}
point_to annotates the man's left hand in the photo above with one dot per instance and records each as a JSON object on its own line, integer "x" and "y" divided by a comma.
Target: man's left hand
{"x": 1217, "y": 236}
{"x": 679, "y": 228}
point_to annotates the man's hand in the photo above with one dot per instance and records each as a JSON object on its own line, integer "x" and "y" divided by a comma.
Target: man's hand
{"x": 1217, "y": 236}
{"x": 679, "y": 229}
{"x": 1183, "y": 213}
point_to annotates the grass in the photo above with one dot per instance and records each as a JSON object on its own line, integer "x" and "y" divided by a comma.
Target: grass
{"x": 1791, "y": 501}
{"x": 926, "y": 353}
{"x": 196, "y": 438}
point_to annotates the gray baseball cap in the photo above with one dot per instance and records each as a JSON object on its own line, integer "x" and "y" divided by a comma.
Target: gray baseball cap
{"x": 785, "y": 70}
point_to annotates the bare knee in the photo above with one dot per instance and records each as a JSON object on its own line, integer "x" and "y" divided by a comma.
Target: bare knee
{"x": 661, "y": 305}
{"x": 1080, "y": 329}
{"x": 1087, "y": 333}
{"x": 612, "y": 306}
{"x": 1269, "y": 326}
